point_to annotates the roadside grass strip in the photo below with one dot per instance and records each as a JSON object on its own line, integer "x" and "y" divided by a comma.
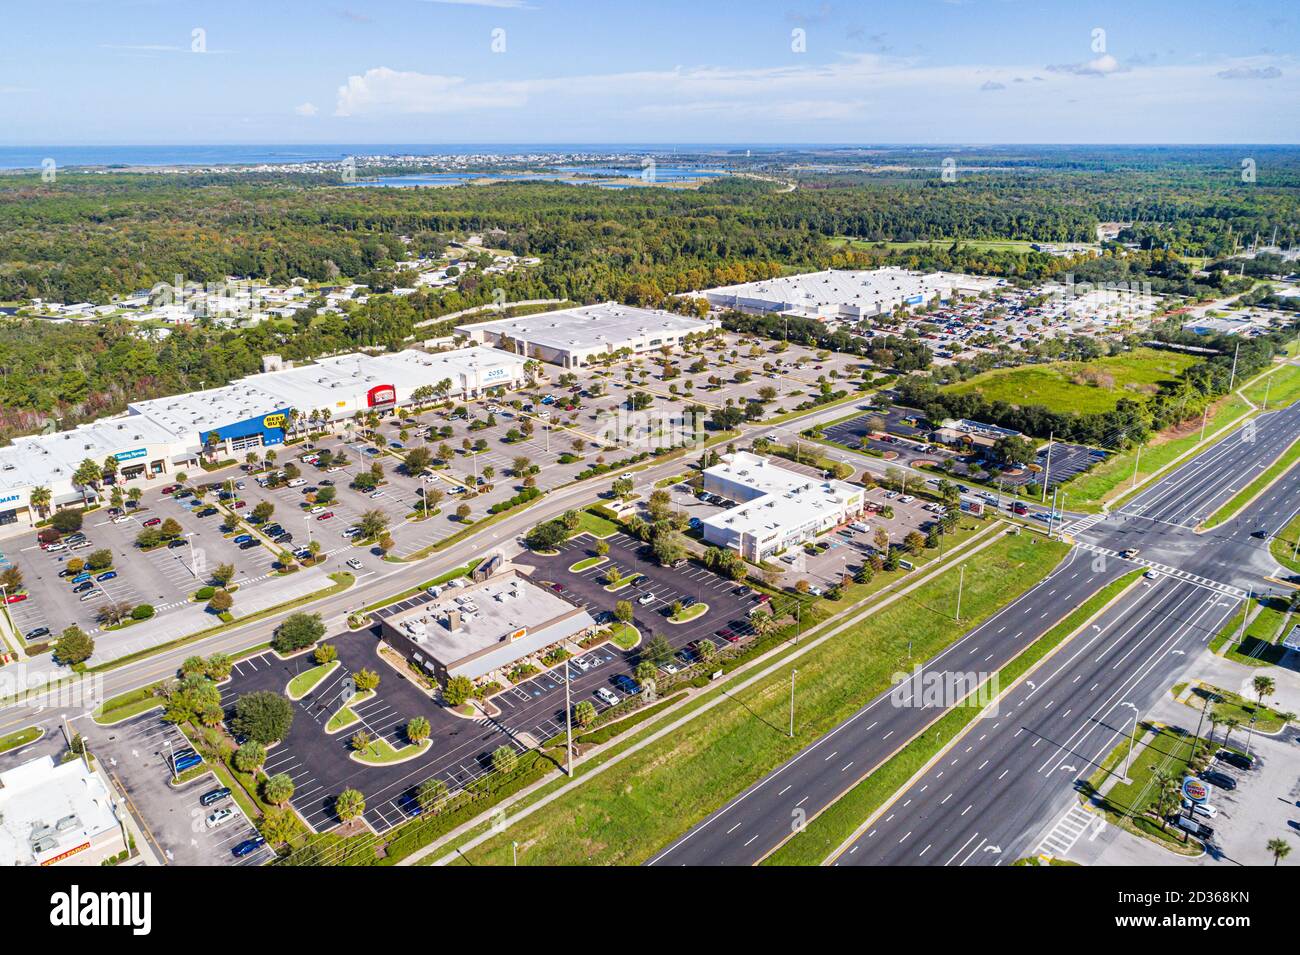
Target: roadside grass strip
{"x": 308, "y": 680}
{"x": 1227, "y": 705}
{"x": 1284, "y": 463}
{"x": 1283, "y": 545}
{"x": 626, "y": 813}
{"x": 126, "y": 705}
{"x": 19, "y": 738}
{"x": 838, "y": 822}
{"x": 1254, "y": 647}
{"x": 1129, "y": 804}
{"x": 1280, "y": 389}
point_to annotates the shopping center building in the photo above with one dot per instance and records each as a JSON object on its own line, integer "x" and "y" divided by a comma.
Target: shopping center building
{"x": 161, "y": 436}
{"x": 776, "y": 507}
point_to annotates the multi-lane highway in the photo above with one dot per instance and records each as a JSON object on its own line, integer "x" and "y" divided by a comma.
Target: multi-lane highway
{"x": 1015, "y": 770}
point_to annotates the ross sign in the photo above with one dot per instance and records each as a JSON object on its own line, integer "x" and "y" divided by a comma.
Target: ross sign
{"x": 492, "y": 374}
{"x": 130, "y": 455}
{"x": 519, "y": 634}
{"x": 381, "y": 395}
{"x": 274, "y": 421}
{"x": 1194, "y": 790}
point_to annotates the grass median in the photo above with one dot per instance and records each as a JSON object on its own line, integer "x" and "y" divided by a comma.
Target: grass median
{"x": 625, "y": 814}
{"x": 838, "y": 822}
{"x": 1284, "y": 463}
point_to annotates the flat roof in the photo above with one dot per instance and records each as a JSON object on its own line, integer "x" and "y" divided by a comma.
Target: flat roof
{"x": 883, "y": 287}
{"x": 474, "y": 630}
{"x": 608, "y": 325}
{"x": 785, "y": 498}
{"x": 48, "y": 808}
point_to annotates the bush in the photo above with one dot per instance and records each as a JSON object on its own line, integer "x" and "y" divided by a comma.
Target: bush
{"x": 67, "y": 521}
{"x": 298, "y": 630}
{"x": 74, "y": 646}
{"x": 263, "y": 716}
{"x": 142, "y": 612}
{"x": 204, "y": 593}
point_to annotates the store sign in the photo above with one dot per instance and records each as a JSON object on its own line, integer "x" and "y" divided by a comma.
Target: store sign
{"x": 63, "y": 855}
{"x": 1194, "y": 790}
{"x": 131, "y": 455}
{"x": 914, "y": 300}
{"x": 9, "y": 500}
{"x": 381, "y": 395}
{"x": 274, "y": 421}
{"x": 495, "y": 374}
{"x": 519, "y": 634}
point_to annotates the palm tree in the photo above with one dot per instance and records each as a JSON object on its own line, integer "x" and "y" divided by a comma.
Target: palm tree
{"x": 1279, "y": 848}
{"x": 40, "y": 498}
{"x": 1166, "y": 781}
{"x": 1264, "y": 686}
{"x": 87, "y": 475}
{"x": 1230, "y": 724}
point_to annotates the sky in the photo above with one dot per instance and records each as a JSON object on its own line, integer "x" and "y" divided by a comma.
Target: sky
{"x": 654, "y": 71}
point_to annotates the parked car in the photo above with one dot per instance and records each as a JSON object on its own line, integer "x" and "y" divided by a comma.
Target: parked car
{"x": 627, "y": 684}
{"x": 1221, "y": 780}
{"x": 243, "y": 538}
{"x": 153, "y": 522}
{"x": 354, "y": 563}
{"x": 106, "y": 575}
{"x": 248, "y": 544}
{"x": 15, "y": 598}
{"x": 606, "y": 695}
{"x": 646, "y": 599}
{"x": 1239, "y": 760}
{"x": 88, "y": 595}
{"x": 248, "y": 846}
{"x": 37, "y": 633}
{"x": 325, "y": 517}
{"x": 214, "y": 796}
{"x": 219, "y": 817}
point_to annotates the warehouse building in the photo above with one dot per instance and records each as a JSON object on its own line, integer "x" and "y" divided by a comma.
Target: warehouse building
{"x": 57, "y": 814}
{"x": 847, "y": 295}
{"x": 164, "y": 435}
{"x": 776, "y": 508}
{"x": 489, "y": 626}
{"x": 574, "y": 337}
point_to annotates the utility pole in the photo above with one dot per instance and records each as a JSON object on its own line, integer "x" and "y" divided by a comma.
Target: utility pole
{"x": 1129, "y": 756}
{"x": 1245, "y": 612}
{"x": 1268, "y": 385}
{"x": 1047, "y": 471}
{"x": 1205, "y": 419}
{"x": 961, "y": 583}
{"x": 1205, "y": 703}
{"x": 1136, "y": 462}
{"x": 1232, "y": 379}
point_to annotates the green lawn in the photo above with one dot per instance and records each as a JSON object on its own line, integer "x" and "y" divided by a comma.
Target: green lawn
{"x": 381, "y": 752}
{"x": 1256, "y": 647}
{"x": 624, "y": 815}
{"x": 1282, "y": 388}
{"x": 624, "y": 635}
{"x": 585, "y": 563}
{"x": 1227, "y": 705}
{"x": 307, "y": 681}
{"x": 1283, "y": 546}
{"x": 1284, "y": 463}
{"x": 690, "y": 613}
{"x": 345, "y": 717}
{"x": 128, "y": 704}
{"x": 595, "y": 525}
{"x": 1080, "y": 387}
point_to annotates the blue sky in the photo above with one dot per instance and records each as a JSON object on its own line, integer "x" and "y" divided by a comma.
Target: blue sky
{"x": 707, "y": 71}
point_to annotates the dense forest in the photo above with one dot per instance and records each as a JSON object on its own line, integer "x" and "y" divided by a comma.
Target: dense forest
{"x": 92, "y": 237}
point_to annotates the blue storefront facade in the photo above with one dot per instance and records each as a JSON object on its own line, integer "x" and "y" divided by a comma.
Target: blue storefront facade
{"x": 259, "y": 431}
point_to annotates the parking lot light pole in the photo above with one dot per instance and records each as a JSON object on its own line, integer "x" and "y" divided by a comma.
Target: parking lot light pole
{"x": 514, "y": 853}
{"x": 568, "y": 720}
{"x": 194, "y": 570}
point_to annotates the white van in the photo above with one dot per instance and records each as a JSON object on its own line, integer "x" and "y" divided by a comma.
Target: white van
{"x": 297, "y": 482}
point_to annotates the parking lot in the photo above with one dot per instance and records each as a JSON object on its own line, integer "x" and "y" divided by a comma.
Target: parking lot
{"x": 135, "y": 754}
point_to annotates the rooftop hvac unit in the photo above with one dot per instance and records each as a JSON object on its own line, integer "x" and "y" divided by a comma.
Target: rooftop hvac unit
{"x": 71, "y": 821}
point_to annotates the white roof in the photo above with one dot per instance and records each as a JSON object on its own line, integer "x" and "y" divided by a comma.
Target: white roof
{"x": 785, "y": 498}
{"x": 865, "y": 288}
{"x": 608, "y": 325}
{"x": 46, "y": 809}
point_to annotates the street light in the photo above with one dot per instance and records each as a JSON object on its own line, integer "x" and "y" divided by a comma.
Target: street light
{"x": 961, "y": 583}
{"x": 1129, "y": 755}
{"x": 568, "y": 721}
{"x": 793, "y": 673}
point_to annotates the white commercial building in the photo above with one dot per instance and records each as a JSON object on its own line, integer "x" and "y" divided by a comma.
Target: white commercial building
{"x": 162, "y": 435}
{"x": 574, "y": 337}
{"x": 847, "y": 295}
{"x": 57, "y": 813}
{"x": 776, "y": 507}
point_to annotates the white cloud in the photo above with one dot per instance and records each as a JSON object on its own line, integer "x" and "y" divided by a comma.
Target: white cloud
{"x": 385, "y": 91}
{"x": 306, "y": 109}
{"x": 1103, "y": 65}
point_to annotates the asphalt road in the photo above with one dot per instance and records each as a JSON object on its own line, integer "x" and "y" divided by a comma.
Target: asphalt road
{"x": 1202, "y": 578}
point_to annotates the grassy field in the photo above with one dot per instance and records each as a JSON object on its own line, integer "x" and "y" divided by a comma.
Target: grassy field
{"x": 1282, "y": 388}
{"x": 1113, "y": 476}
{"x": 1082, "y": 387}
{"x": 1284, "y": 463}
{"x": 1227, "y": 705}
{"x": 830, "y": 829}
{"x": 624, "y": 815}
{"x": 19, "y": 738}
{"x": 306, "y": 681}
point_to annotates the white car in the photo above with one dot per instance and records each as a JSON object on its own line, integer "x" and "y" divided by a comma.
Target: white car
{"x": 377, "y": 495}
{"x": 645, "y": 599}
{"x": 606, "y": 696}
{"x": 122, "y": 519}
{"x": 1208, "y": 810}
{"x": 219, "y": 817}
{"x": 297, "y": 482}
{"x": 669, "y": 668}
{"x": 317, "y": 509}
{"x": 906, "y": 499}
{"x": 354, "y": 564}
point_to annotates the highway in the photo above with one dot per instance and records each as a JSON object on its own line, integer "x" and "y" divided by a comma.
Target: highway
{"x": 1160, "y": 626}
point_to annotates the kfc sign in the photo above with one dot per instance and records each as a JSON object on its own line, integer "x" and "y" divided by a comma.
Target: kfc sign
{"x": 381, "y": 395}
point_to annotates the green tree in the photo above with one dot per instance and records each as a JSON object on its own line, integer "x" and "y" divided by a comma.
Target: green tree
{"x": 458, "y": 690}
{"x": 262, "y": 715}
{"x": 349, "y": 805}
{"x": 504, "y": 759}
{"x": 1279, "y": 849}
{"x": 250, "y": 757}
{"x": 417, "y": 729}
{"x": 584, "y": 713}
{"x": 365, "y": 680}
{"x": 74, "y": 646}
{"x": 297, "y": 631}
{"x": 623, "y": 610}
{"x": 222, "y": 574}
{"x": 429, "y": 793}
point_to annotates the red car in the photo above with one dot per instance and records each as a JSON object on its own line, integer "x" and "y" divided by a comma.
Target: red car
{"x": 15, "y": 598}
{"x": 325, "y": 517}
{"x": 152, "y": 521}
{"x": 169, "y": 489}
{"x": 238, "y": 504}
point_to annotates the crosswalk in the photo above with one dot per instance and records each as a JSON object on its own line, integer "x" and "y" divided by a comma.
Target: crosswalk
{"x": 1067, "y": 831}
{"x": 1083, "y": 524}
{"x": 1168, "y": 571}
